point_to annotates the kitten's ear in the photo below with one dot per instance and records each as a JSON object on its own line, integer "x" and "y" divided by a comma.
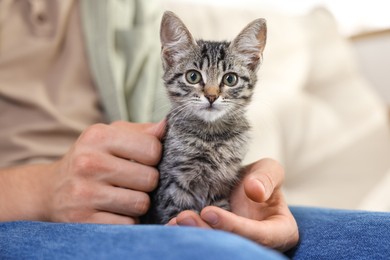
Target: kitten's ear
{"x": 175, "y": 39}
{"x": 250, "y": 43}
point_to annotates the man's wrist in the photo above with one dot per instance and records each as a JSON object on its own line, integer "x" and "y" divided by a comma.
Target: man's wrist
{"x": 26, "y": 191}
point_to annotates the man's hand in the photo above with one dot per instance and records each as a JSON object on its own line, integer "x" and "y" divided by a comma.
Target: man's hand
{"x": 104, "y": 178}
{"x": 259, "y": 211}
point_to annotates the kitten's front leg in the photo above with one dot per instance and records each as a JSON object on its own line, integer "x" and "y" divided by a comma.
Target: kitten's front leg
{"x": 171, "y": 201}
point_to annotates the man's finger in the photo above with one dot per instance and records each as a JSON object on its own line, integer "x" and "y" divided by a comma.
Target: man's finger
{"x": 190, "y": 218}
{"x": 158, "y": 129}
{"x": 122, "y": 201}
{"x": 275, "y": 232}
{"x": 172, "y": 222}
{"x": 262, "y": 178}
{"x": 110, "y": 218}
{"x": 155, "y": 129}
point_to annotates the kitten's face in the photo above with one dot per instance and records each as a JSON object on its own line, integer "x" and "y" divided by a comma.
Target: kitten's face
{"x": 210, "y": 79}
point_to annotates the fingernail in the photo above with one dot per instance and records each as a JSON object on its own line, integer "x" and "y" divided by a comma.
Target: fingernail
{"x": 187, "y": 222}
{"x": 261, "y": 184}
{"x": 211, "y": 218}
{"x": 172, "y": 222}
{"x": 264, "y": 195}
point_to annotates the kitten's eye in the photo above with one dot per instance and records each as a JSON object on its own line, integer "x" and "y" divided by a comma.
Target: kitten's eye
{"x": 193, "y": 77}
{"x": 230, "y": 79}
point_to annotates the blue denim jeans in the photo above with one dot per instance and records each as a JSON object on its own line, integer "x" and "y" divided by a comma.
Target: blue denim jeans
{"x": 324, "y": 234}
{"x": 341, "y": 234}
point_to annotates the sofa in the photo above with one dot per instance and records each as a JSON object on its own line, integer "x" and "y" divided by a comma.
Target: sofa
{"x": 314, "y": 110}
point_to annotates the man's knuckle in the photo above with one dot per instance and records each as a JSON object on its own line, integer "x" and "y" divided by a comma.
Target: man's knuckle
{"x": 119, "y": 123}
{"x": 95, "y": 134}
{"x": 265, "y": 241}
{"x": 84, "y": 164}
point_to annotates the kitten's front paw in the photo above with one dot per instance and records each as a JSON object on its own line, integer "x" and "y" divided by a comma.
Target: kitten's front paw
{"x": 223, "y": 203}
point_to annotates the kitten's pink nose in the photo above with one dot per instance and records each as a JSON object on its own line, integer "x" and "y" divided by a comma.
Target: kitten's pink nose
{"x": 211, "y": 98}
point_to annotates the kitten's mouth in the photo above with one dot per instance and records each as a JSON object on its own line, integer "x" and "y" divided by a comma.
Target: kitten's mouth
{"x": 211, "y": 108}
{"x": 210, "y": 113}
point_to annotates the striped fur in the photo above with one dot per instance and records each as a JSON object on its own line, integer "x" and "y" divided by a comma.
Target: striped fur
{"x": 207, "y": 130}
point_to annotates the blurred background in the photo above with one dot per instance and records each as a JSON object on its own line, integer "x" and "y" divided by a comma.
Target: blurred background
{"x": 322, "y": 101}
{"x": 352, "y": 17}
{"x": 323, "y": 97}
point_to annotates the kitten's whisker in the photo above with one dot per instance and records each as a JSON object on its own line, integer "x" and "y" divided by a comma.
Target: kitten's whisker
{"x": 163, "y": 107}
{"x": 176, "y": 111}
{"x": 177, "y": 117}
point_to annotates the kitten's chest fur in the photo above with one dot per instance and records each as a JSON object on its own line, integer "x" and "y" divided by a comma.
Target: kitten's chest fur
{"x": 204, "y": 155}
{"x": 200, "y": 165}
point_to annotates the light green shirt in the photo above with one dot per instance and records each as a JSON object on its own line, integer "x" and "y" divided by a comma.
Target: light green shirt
{"x": 123, "y": 47}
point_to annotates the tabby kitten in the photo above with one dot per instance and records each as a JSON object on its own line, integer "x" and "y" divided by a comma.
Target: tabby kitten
{"x": 209, "y": 85}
